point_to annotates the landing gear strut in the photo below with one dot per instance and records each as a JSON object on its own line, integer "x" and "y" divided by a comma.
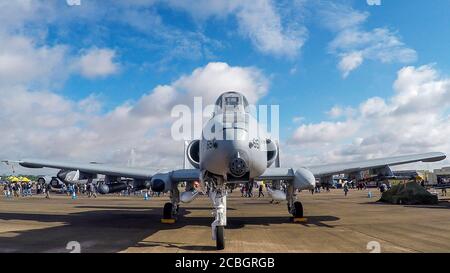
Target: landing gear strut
{"x": 218, "y": 196}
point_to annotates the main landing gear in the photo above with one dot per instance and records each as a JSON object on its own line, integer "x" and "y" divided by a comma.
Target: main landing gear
{"x": 170, "y": 211}
{"x": 294, "y": 207}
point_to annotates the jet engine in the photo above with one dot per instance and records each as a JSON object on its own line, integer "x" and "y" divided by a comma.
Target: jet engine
{"x": 53, "y": 181}
{"x": 193, "y": 153}
{"x": 272, "y": 152}
{"x": 161, "y": 182}
{"x": 304, "y": 179}
{"x": 74, "y": 176}
{"x": 383, "y": 172}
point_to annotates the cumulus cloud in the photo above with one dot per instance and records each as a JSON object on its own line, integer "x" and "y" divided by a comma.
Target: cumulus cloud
{"x": 415, "y": 119}
{"x": 47, "y": 125}
{"x": 324, "y": 132}
{"x": 350, "y": 62}
{"x": 338, "y": 112}
{"x": 98, "y": 63}
{"x": 353, "y": 44}
{"x": 23, "y": 61}
{"x": 260, "y": 21}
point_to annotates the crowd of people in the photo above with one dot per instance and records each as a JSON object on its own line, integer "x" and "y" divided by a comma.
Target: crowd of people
{"x": 16, "y": 190}
{"x": 22, "y": 189}
{"x": 11, "y": 190}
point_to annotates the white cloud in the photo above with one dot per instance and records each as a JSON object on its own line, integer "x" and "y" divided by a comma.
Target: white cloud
{"x": 98, "y": 63}
{"x": 338, "y": 112}
{"x": 247, "y": 80}
{"x": 353, "y": 44}
{"x": 263, "y": 25}
{"x": 23, "y": 61}
{"x": 298, "y": 119}
{"x": 323, "y": 132}
{"x": 350, "y": 62}
{"x": 46, "y": 125}
{"x": 271, "y": 30}
{"x": 414, "y": 120}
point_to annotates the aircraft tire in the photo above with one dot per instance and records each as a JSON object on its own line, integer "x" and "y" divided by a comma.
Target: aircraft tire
{"x": 220, "y": 237}
{"x": 298, "y": 210}
{"x": 167, "y": 211}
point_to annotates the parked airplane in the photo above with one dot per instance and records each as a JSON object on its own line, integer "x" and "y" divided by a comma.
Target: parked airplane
{"x": 232, "y": 156}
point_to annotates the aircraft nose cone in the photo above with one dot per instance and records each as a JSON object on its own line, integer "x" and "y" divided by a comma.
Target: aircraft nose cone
{"x": 238, "y": 166}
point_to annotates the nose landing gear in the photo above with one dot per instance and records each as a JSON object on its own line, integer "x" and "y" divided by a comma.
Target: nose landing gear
{"x": 218, "y": 196}
{"x": 220, "y": 237}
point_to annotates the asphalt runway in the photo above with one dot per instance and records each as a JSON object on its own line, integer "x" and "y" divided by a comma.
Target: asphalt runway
{"x": 130, "y": 224}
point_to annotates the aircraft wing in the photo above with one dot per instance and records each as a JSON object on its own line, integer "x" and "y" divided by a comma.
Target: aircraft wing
{"x": 350, "y": 167}
{"x": 339, "y": 168}
{"x": 95, "y": 168}
{"x": 91, "y": 168}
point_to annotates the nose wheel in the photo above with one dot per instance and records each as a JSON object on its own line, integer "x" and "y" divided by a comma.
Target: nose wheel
{"x": 220, "y": 237}
{"x": 219, "y": 198}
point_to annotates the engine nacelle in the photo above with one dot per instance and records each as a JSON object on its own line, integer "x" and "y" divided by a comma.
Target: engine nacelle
{"x": 111, "y": 188}
{"x": 161, "y": 182}
{"x": 54, "y": 182}
{"x": 272, "y": 152}
{"x": 383, "y": 172}
{"x": 44, "y": 179}
{"x": 304, "y": 179}
{"x": 74, "y": 176}
{"x": 139, "y": 184}
{"x": 193, "y": 153}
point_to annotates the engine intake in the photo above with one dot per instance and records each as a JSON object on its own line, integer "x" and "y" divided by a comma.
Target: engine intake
{"x": 272, "y": 152}
{"x": 193, "y": 153}
{"x": 161, "y": 182}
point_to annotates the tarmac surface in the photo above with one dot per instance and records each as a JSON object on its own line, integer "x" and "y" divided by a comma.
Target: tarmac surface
{"x": 335, "y": 223}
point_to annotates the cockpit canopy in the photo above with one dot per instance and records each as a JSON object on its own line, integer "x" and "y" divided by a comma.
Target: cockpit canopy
{"x": 231, "y": 101}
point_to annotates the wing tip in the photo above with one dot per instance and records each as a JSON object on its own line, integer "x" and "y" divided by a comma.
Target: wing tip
{"x": 436, "y": 156}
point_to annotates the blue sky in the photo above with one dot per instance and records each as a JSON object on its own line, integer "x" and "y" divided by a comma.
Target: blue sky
{"x": 316, "y": 86}
{"x": 299, "y": 54}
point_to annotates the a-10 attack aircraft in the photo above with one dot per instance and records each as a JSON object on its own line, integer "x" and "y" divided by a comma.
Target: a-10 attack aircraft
{"x": 229, "y": 158}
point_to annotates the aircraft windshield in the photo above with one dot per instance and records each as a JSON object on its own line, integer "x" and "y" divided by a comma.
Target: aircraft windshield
{"x": 232, "y": 101}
